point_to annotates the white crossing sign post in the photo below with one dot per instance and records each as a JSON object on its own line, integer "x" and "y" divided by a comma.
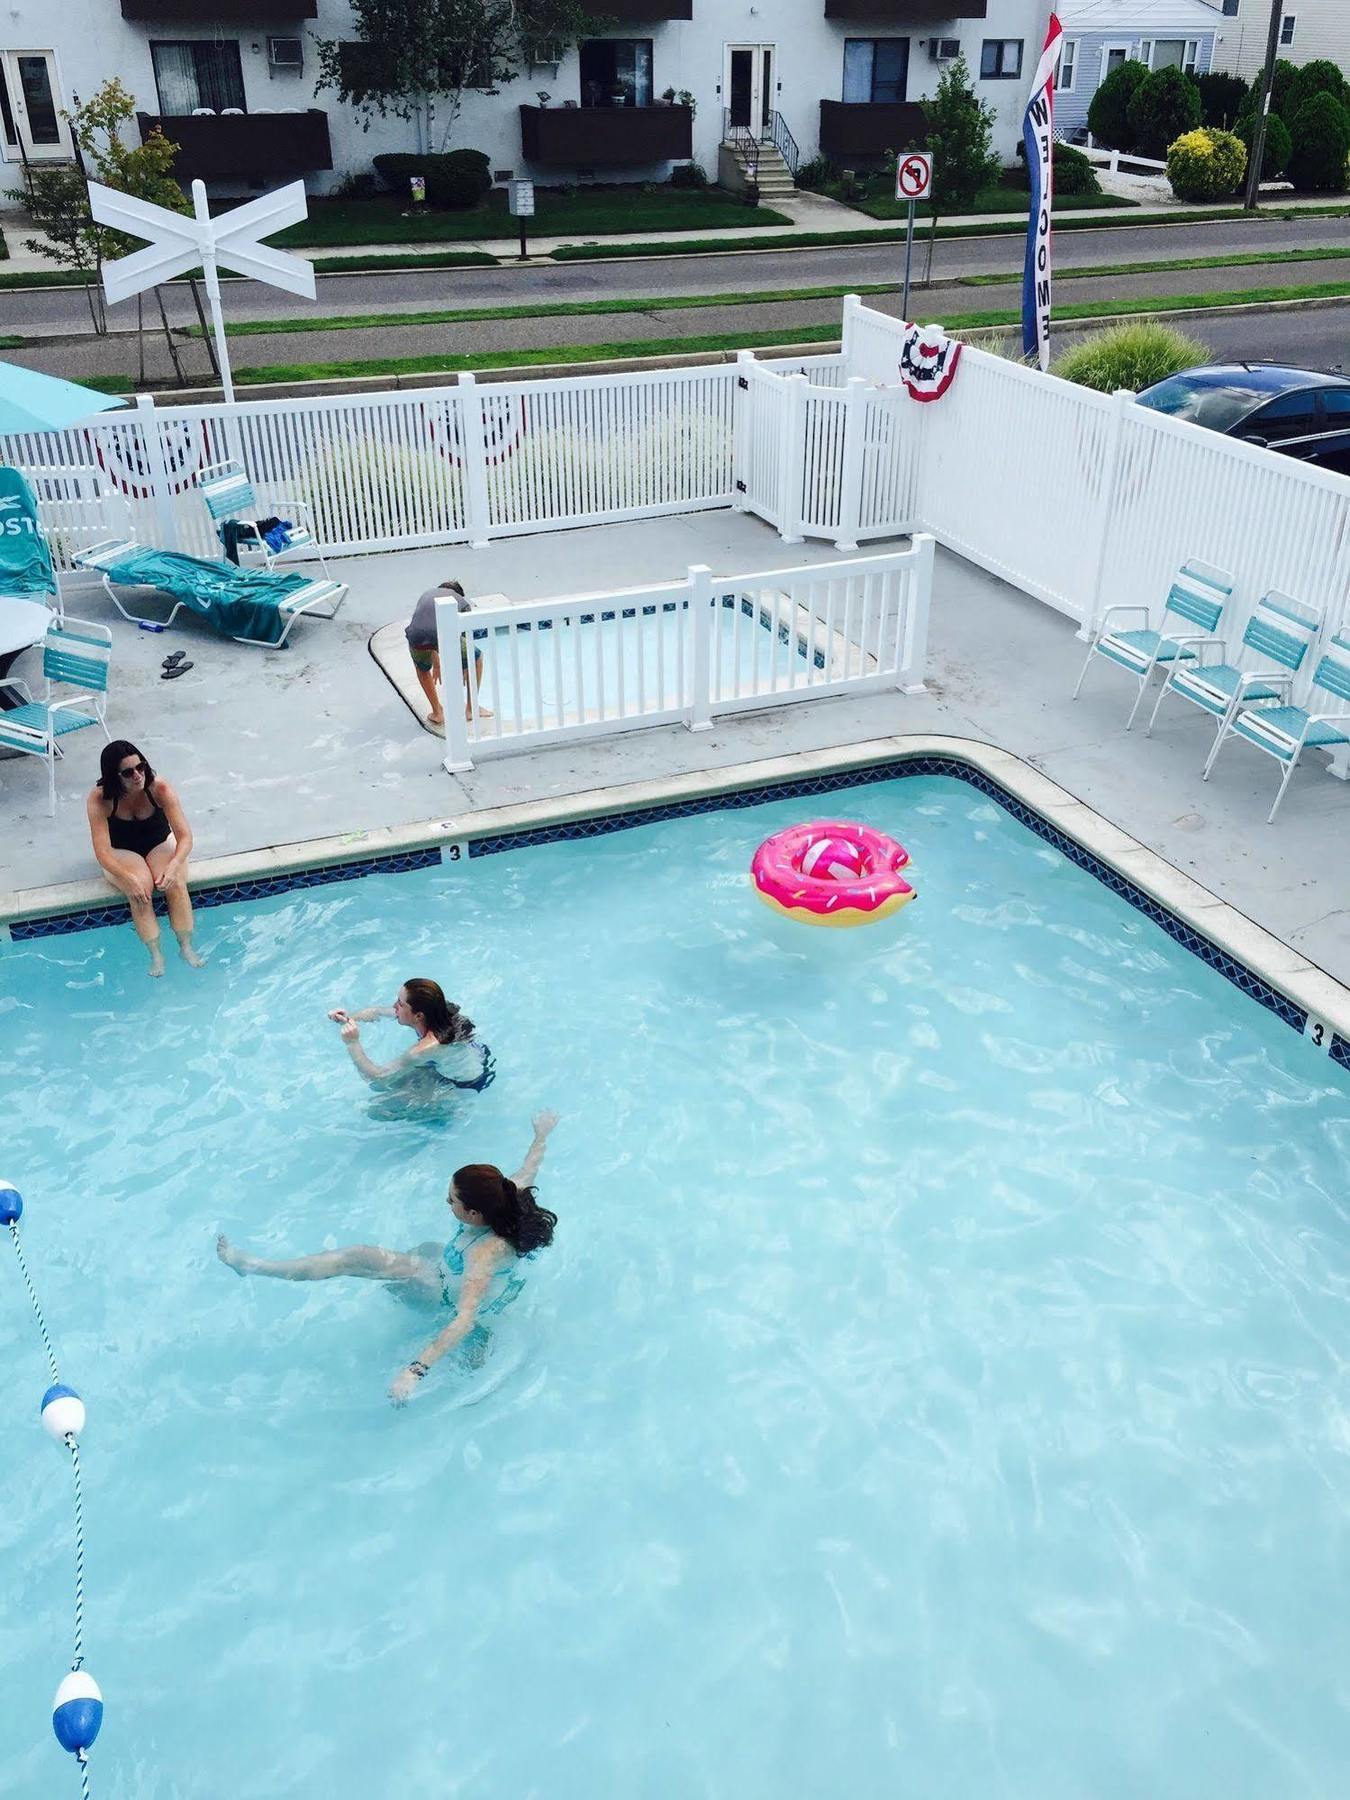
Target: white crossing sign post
{"x": 913, "y": 182}
{"x": 177, "y": 242}
{"x": 520, "y": 198}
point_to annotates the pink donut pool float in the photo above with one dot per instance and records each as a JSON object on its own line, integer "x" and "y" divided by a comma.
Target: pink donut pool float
{"x": 830, "y": 873}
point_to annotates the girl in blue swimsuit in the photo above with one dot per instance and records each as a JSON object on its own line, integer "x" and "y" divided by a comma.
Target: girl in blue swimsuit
{"x": 500, "y": 1225}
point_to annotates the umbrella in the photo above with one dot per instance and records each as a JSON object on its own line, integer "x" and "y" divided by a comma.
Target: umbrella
{"x": 32, "y": 401}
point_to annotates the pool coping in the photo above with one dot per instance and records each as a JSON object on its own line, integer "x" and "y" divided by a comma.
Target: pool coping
{"x": 1306, "y": 997}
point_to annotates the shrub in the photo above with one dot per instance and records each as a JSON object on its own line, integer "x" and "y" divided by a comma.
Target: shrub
{"x": 689, "y": 175}
{"x": 356, "y": 184}
{"x": 1164, "y": 107}
{"x": 457, "y": 179}
{"x": 1206, "y": 165}
{"x": 1316, "y": 78}
{"x": 1321, "y": 146}
{"x": 1281, "y": 92}
{"x": 1074, "y": 174}
{"x": 960, "y": 138}
{"x": 1221, "y": 99}
{"x": 1130, "y": 356}
{"x": 1277, "y": 148}
{"x": 816, "y": 174}
{"x": 1109, "y": 113}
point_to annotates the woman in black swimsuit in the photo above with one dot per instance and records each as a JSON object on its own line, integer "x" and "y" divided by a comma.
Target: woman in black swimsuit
{"x": 142, "y": 842}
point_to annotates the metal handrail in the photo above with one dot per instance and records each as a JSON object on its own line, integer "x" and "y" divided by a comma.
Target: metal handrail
{"x": 744, "y": 139}
{"x": 785, "y": 142}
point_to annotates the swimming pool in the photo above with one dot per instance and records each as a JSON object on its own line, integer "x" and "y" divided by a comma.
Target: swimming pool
{"x": 937, "y": 1385}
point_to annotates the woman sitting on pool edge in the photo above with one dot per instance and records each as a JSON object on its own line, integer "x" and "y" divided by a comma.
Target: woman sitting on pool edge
{"x": 478, "y": 1272}
{"x": 142, "y": 842}
{"x": 446, "y": 1052}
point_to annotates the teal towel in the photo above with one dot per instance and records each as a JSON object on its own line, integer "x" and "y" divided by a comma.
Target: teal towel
{"x": 25, "y": 561}
{"x": 238, "y": 602}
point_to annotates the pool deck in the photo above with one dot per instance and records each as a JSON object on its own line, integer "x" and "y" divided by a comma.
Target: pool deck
{"x": 268, "y": 748}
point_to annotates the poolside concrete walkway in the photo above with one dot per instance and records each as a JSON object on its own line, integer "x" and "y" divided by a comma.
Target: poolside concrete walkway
{"x": 270, "y": 747}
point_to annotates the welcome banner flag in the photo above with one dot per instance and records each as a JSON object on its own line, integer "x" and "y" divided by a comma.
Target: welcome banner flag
{"x": 1038, "y": 137}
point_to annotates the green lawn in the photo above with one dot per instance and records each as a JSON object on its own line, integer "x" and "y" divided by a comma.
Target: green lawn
{"x": 994, "y": 200}
{"x": 589, "y": 212}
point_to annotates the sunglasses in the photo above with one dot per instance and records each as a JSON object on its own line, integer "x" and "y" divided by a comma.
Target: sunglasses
{"x": 136, "y": 768}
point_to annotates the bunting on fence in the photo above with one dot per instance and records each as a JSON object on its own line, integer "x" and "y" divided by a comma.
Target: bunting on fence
{"x": 928, "y": 359}
{"x": 1038, "y": 139}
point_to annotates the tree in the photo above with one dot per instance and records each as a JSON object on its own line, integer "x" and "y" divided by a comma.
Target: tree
{"x": 1221, "y": 99}
{"x": 1321, "y": 133}
{"x": 960, "y": 142}
{"x": 58, "y": 197}
{"x": 1316, "y": 78}
{"x": 1278, "y": 145}
{"x": 1108, "y": 114}
{"x": 1164, "y": 108}
{"x": 413, "y": 59}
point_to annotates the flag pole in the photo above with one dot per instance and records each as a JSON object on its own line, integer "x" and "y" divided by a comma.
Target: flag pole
{"x": 208, "y": 248}
{"x": 1038, "y": 138}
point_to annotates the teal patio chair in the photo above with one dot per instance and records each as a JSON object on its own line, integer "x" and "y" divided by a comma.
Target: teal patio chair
{"x": 1197, "y": 597}
{"x": 75, "y": 656}
{"x": 1285, "y": 732}
{"x": 229, "y": 497}
{"x": 253, "y": 606}
{"x": 1278, "y": 632}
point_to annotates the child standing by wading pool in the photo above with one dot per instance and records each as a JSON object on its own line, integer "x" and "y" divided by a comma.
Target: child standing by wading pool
{"x": 424, "y": 648}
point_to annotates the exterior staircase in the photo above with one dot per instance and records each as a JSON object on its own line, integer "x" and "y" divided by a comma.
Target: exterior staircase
{"x": 762, "y": 164}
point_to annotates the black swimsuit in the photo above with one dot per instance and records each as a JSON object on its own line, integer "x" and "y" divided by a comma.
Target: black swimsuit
{"x": 138, "y": 835}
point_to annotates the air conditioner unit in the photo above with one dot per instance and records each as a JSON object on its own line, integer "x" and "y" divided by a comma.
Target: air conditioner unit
{"x": 944, "y": 49}
{"x": 286, "y": 54}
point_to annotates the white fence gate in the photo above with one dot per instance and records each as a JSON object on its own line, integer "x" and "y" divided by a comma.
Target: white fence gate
{"x": 686, "y": 652}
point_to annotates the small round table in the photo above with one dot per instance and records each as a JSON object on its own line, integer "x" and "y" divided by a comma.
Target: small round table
{"x": 23, "y": 623}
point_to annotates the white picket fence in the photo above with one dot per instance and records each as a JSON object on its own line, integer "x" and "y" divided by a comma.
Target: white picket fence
{"x": 686, "y": 652}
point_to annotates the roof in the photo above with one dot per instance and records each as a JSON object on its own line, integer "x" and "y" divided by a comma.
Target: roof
{"x": 1141, "y": 17}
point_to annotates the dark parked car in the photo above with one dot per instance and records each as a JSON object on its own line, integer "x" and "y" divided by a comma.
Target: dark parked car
{"x": 1299, "y": 412}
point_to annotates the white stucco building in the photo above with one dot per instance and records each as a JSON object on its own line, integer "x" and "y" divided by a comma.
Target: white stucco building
{"x": 232, "y": 81}
{"x": 1310, "y": 31}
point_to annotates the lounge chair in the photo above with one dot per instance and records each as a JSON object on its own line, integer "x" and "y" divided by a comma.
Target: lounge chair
{"x": 74, "y": 655}
{"x": 1197, "y": 597}
{"x": 1285, "y": 732}
{"x": 230, "y": 498}
{"x": 1279, "y": 632}
{"x": 253, "y": 606}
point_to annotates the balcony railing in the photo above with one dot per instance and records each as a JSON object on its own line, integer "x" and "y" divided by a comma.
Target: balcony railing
{"x": 220, "y": 12}
{"x": 866, "y": 130}
{"x": 645, "y": 12}
{"x": 594, "y": 137}
{"x": 906, "y": 12}
{"x": 255, "y": 146}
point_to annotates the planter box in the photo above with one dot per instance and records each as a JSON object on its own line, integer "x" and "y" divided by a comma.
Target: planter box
{"x": 865, "y": 130}
{"x": 256, "y": 146}
{"x": 595, "y": 137}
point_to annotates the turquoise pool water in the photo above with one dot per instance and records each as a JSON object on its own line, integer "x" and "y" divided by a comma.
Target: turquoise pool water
{"x": 937, "y": 1386}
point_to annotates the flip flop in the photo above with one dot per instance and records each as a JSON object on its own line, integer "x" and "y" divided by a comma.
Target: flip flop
{"x": 178, "y": 669}
{"x": 172, "y": 661}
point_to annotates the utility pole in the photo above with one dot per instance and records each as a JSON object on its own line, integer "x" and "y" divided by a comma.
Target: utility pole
{"x": 1259, "y": 129}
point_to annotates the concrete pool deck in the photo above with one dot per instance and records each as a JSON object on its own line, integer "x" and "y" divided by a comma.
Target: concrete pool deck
{"x": 271, "y": 748}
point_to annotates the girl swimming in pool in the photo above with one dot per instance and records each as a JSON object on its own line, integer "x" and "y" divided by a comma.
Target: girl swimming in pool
{"x": 500, "y": 1225}
{"x": 446, "y": 1054}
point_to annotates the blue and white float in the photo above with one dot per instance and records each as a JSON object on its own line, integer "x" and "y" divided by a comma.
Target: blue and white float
{"x": 11, "y": 1203}
{"x": 62, "y": 1412}
{"x": 77, "y": 1712}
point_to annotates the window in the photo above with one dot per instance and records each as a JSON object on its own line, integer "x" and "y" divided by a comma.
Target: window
{"x": 1171, "y": 53}
{"x": 1001, "y": 59}
{"x": 197, "y": 74}
{"x": 875, "y": 70}
{"x": 1336, "y": 401}
{"x": 1112, "y": 57}
{"x": 616, "y": 72}
{"x": 1068, "y": 67}
{"x": 1287, "y": 24}
{"x": 1292, "y": 415}
{"x": 1230, "y": 8}
{"x": 6, "y": 115}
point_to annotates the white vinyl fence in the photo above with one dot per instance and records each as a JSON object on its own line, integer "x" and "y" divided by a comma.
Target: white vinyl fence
{"x": 593, "y": 664}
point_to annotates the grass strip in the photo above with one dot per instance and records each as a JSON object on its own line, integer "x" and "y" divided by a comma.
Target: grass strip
{"x": 817, "y": 240}
{"x": 994, "y": 200}
{"x": 1250, "y": 259}
{"x": 344, "y": 224}
{"x": 749, "y": 340}
{"x": 431, "y": 259}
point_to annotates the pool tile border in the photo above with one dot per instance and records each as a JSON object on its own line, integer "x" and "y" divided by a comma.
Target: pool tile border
{"x": 603, "y": 811}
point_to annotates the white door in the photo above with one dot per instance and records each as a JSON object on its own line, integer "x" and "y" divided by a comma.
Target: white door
{"x": 35, "y": 105}
{"x": 748, "y": 88}
{"x": 1113, "y": 55}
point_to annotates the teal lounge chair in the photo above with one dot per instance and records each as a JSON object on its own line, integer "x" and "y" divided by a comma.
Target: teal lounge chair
{"x": 1285, "y": 732}
{"x": 1197, "y": 597}
{"x": 229, "y": 496}
{"x": 1278, "y": 632}
{"x": 75, "y": 655}
{"x": 253, "y": 606}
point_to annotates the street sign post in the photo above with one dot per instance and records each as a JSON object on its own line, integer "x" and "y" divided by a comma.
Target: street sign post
{"x": 177, "y": 242}
{"x": 913, "y": 182}
{"x": 521, "y": 201}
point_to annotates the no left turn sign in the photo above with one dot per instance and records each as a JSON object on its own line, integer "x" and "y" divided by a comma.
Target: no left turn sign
{"x": 913, "y": 175}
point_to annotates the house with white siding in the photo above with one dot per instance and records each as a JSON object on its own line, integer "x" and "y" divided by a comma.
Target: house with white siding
{"x": 1099, "y": 35}
{"x": 232, "y": 82}
{"x": 1310, "y": 31}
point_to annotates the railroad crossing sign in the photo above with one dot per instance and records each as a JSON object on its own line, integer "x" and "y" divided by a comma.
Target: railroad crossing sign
{"x": 913, "y": 175}
{"x": 177, "y": 242}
